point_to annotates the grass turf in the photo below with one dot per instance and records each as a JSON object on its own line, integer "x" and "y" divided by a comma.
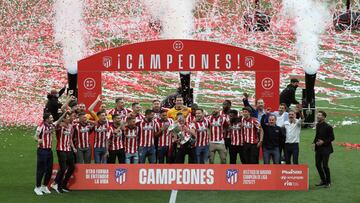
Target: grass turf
{"x": 18, "y": 159}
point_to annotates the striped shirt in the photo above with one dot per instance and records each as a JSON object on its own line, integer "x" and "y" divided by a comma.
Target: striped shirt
{"x": 251, "y": 127}
{"x": 202, "y": 135}
{"x": 147, "y": 131}
{"x": 63, "y": 137}
{"x": 165, "y": 137}
{"x": 101, "y": 134}
{"x": 131, "y": 139}
{"x": 217, "y": 125}
{"x": 115, "y": 138}
{"x": 235, "y": 134}
{"x": 44, "y": 132}
{"x": 82, "y": 131}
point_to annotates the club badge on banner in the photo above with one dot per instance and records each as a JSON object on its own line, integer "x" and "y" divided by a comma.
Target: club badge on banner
{"x": 188, "y": 177}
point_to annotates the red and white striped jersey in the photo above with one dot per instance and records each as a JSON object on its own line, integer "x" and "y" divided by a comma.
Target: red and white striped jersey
{"x": 236, "y": 135}
{"x": 202, "y": 135}
{"x": 115, "y": 138}
{"x": 250, "y": 130}
{"x": 189, "y": 119}
{"x": 63, "y": 137}
{"x": 121, "y": 112}
{"x": 44, "y": 132}
{"x": 101, "y": 134}
{"x": 147, "y": 132}
{"x": 82, "y": 131}
{"x": 217, "y": 125}
{"x": 131, "y": 136}
{"x": 165, "y": 137}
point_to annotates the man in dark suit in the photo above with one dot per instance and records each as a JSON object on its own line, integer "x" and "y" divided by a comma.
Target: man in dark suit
{"x": 287, "y": 96}
{"x": 323, "y": 148}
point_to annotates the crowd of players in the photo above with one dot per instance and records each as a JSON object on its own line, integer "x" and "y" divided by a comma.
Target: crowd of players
{"x": 162, "y": 135}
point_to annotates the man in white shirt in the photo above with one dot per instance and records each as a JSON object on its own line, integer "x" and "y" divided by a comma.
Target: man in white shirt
{"x": 281, "y": 117}
{"x": 293, "y": 128}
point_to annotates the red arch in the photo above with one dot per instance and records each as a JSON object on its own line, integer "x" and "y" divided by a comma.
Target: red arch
{"x": 179, "y": 55}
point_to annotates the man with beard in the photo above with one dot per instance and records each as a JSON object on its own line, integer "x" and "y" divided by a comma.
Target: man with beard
{"x": 136, "y": 112}
{"x": 287, "y": 96}
{"x": 201, "y": 127}
{"x": 191, "y": 116}
{"x": 225, "y": 113}
{"x": 184, "y": 147}
{"x": 253, "y": 137}
{"x": 82, "y": 130}
{"x": 293, "y": 128}
{"x": 115, "y": 146}
{"x": 120, "y": 108}
{"x": 131, "y": 135}
{"x": 218, "y": 127}
{"x": 64, "y": 149}
{"x": 260, "y": 109}
{"x": 237, "y": 138}
{"x": 101, "y": 130}
{"x": 147, "y": 130}
{"x": 164, "y": 138}
{"x": 322, "y": 145}
{"x": 43, "y": 138}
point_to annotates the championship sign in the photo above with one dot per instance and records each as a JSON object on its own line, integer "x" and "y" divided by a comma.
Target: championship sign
{"x": 188, "y": 177}
{"x": 179, "y": 55}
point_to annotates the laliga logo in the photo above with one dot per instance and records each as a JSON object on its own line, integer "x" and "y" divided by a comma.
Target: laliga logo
{"x": 89, "y": 83}
{"x": 178, "y": 46}
{"x": 267, "y": 83}
{"x": 107, "y": 61}
{"x": 249, "y": 61}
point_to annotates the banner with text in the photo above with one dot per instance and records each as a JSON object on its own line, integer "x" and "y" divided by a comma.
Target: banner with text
{"x": 188, "y": 177}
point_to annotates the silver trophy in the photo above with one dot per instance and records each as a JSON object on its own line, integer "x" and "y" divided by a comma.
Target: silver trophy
{"x": 176, "y": 129}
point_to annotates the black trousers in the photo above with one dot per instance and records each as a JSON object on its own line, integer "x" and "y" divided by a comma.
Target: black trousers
{"x": 251, "y": 153}
{"x": 227, "y": 142}
{"x": 322, "y": 165}
{"x": 119, "y": 154}
{"x": 182, "y": 151}
{"x": 234, "y": 150}
{"x": 44, "y": 166}
{"x": 292, "y": 150}
{"x": 67, "y": 167}
{"x": 156, "y": 144}
{"x": 282, "y": 145}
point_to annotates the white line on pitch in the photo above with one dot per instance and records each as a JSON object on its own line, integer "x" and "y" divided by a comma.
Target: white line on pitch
{"x": 173, "y": 196}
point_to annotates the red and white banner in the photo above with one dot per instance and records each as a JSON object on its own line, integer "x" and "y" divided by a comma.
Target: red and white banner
{"x": 188, "y": 177}
{"x": 179, "y": 55}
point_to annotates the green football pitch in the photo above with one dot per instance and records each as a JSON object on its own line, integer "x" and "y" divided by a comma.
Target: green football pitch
{"x": 18, "y": 159}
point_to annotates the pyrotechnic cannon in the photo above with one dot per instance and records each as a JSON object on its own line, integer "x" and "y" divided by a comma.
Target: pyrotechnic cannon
{"x": 308, "y": 98}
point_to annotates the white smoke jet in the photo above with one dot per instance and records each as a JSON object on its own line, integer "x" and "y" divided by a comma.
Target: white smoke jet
{"x": 176, "y": 17}
{"x": 69, "y": 31}
{"x": 310, "y": 19}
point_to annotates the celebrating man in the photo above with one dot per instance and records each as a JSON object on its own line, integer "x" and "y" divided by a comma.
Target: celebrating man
{"x": 253, "y": 137}
{"x": 323, "y": 148}
{"x": 217, "y": 144}
{"x": 147, "y": 130}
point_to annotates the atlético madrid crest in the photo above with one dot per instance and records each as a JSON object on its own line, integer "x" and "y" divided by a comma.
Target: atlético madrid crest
{"x": 120, "y": 175}
{"x": 249, "y": 61}
{"x": 107, "y": 61}
{"x": 232, "y": 176}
